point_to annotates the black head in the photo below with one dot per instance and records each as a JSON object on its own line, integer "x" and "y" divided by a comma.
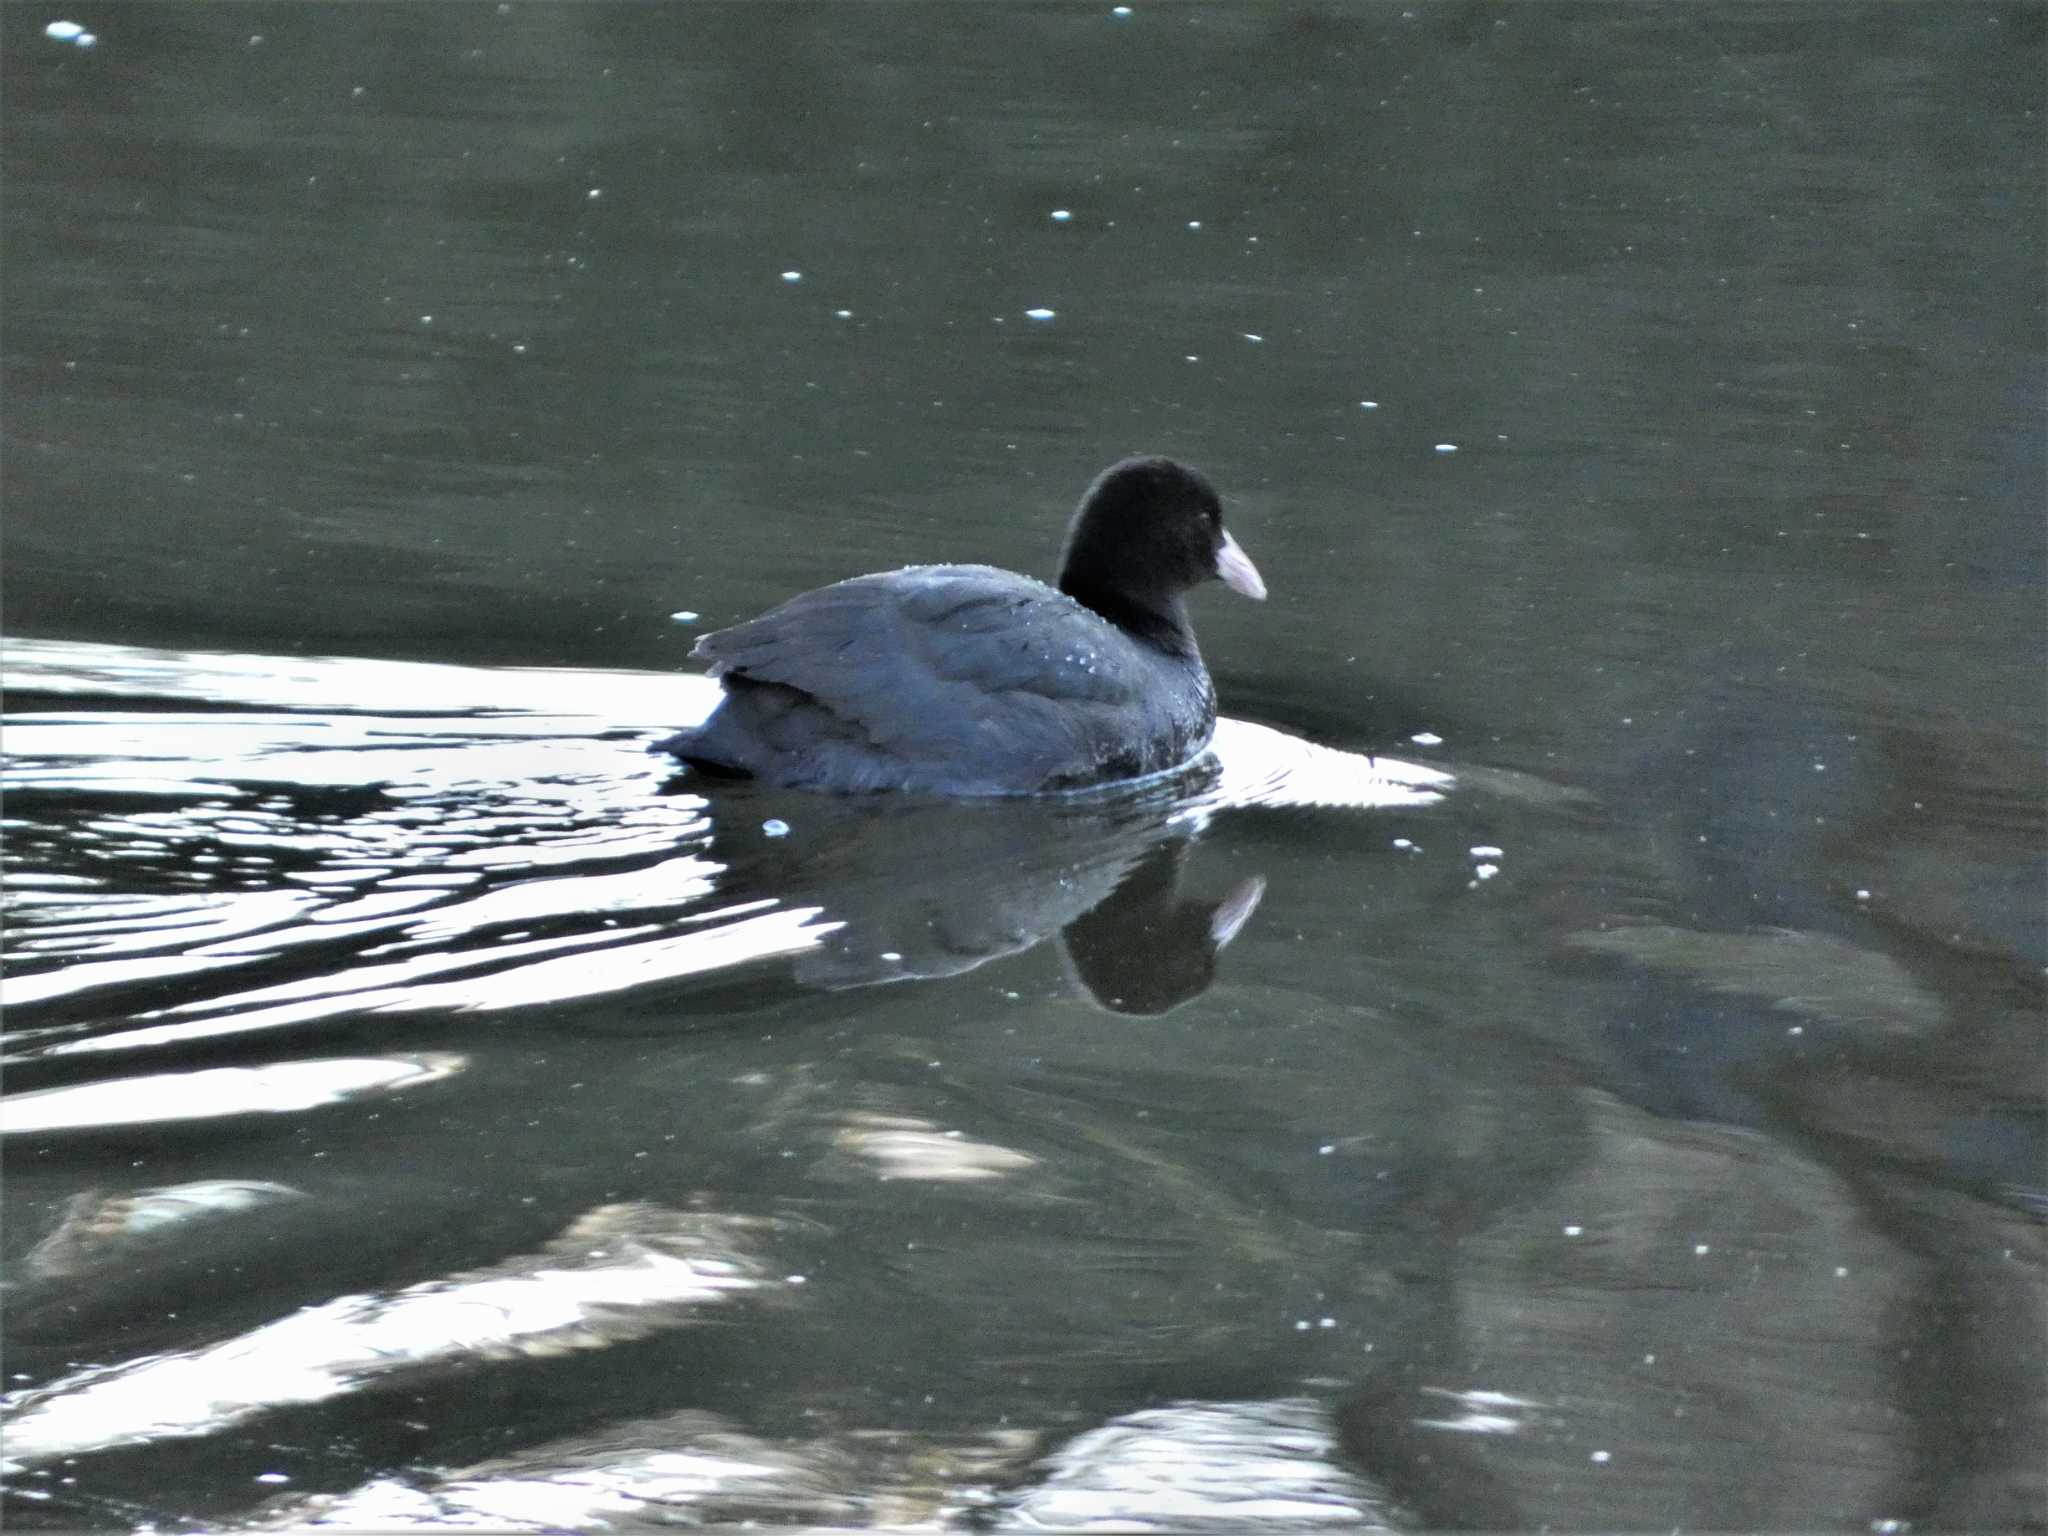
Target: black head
{"x": 1147, "y": 532}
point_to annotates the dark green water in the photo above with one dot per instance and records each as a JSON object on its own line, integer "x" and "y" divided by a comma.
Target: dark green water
{"x": 415, "y": 1100}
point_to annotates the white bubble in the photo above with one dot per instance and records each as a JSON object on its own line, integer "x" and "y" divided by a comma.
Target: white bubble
{"x": 792, "y": 277}
{"x": 64, "y": 31}
{"x": 775, "y": 826}
{"x": 1248, "y": 336}
{"x": 1486, "y": 851}
{"x": 1446, "y": 447}
{"x": 1368, "y": 405}
{"x": 87, "y": 39}
{"x": 594, "y": 193}
{"x": 842, "y": 314}
{"x": 1038, "y": 314}
{"x": 1120, "y": 10}
{"x": 1061, "y": 215}
{"x": 1194, "y": 223}
{"x": 684, "y": 616}
{"x": 1427, "y": 739}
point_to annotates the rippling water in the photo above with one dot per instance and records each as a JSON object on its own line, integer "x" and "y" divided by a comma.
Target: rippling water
{"x": 478, "y": 856}
{"x": 196, "y": 873}
{"x": 1571, "y": 1059}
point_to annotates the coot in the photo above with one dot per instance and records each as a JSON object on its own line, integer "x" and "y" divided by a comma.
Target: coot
{"x": 968, "y": 680}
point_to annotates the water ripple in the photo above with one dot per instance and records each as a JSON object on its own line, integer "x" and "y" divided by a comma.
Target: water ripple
{"x": 405, "y": 837}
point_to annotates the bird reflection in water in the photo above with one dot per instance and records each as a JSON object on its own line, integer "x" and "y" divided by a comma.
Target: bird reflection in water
{"x": 927, "y": 888}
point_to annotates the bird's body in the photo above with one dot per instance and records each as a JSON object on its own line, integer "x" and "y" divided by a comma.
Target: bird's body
{"x": 968, "y": 680}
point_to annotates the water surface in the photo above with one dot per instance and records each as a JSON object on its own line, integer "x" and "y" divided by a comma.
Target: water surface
{"x": 1573, "y": 1058}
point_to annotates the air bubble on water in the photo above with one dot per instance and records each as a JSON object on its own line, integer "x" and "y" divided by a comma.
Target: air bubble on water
{"x": 775, "y": 826}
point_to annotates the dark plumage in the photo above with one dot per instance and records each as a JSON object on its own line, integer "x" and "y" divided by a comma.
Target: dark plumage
{"x": 968, "y": 680}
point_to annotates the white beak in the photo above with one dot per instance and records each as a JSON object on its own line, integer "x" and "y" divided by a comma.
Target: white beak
{"x": 1237, "y": 570}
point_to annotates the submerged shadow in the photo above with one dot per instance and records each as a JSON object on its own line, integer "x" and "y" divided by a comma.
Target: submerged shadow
{"x": 913, "y": 889}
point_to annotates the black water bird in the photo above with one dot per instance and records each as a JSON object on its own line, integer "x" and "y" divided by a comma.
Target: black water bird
{"x": 968, "y": 680}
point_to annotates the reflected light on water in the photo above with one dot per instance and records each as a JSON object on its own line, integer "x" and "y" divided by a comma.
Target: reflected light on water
{"x": 902, "y": 1147}
{"x": 1213, "y": 1466}
{"x": 350, "y": 683}
{"x": 100, "y": 1231}
{"x": 618, "y": 1273}
{"x": 278, "y": 1088}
